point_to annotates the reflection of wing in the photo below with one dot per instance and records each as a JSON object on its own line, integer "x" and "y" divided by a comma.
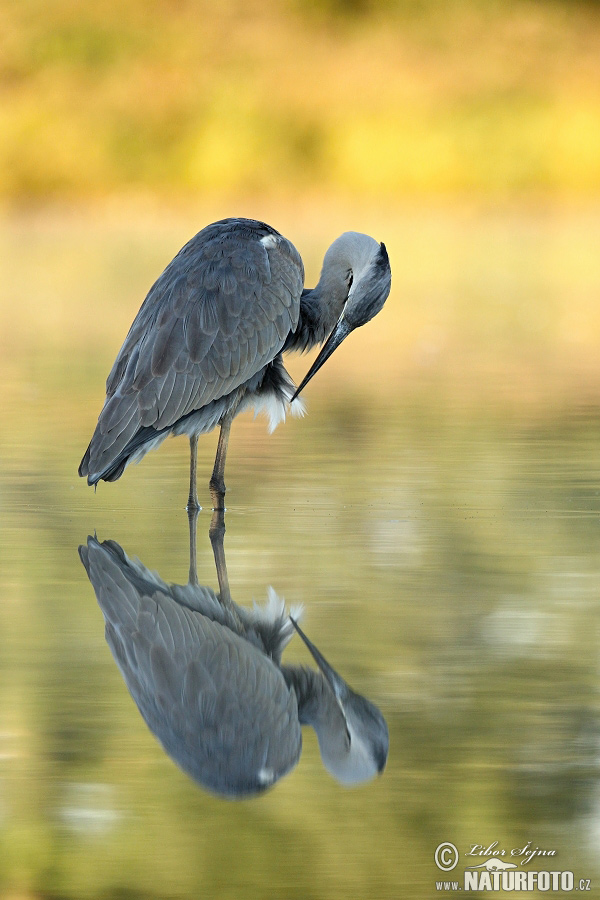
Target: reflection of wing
{"x": 217, "y": 315}
{"x": 218, "y": 705}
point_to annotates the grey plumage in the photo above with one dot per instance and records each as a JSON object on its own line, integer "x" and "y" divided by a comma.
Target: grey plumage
{"x": 207, "y": 678}
{"x": 189, "y": 346}
{"x": 207, "y": 341}
{"x": 209, "y": 689}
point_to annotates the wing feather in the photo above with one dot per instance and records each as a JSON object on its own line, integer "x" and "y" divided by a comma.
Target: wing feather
{"x": 208, "y": 315}
{"x": 266, "y": 337}
{"x": 168, "y": 344}
{"x": 199, "y": 339}
{"x": 235, "y": 357}
{"x": 166, "y": 393}
{"x": 180, "y": 297}
{"x": 117, "y": 410}
{"x": 173, "y": 400}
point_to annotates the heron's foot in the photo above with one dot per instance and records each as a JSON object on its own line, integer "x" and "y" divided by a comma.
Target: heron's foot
{"x": 192, "y": 505}
{"x": 217, "y": 492}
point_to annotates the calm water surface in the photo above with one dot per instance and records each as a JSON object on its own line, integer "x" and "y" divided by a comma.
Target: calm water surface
{"x": 449, "y": 566}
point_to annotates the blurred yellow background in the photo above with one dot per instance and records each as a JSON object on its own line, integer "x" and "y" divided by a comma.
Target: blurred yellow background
{"x": 385, "y": 100}
{"x": 464, "y": 133}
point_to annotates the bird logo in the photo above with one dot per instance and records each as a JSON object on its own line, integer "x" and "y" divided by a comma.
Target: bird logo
{"x": 494, "y": 865}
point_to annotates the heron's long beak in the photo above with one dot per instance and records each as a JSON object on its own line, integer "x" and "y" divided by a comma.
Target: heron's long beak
{"x": 337, "y": 684}
{"x": 341, "y": 331}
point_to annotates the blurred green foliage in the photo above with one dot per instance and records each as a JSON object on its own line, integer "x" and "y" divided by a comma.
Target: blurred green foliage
{"x": 361, "y": 97}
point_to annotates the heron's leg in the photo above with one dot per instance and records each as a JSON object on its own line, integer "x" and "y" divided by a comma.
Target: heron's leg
{"x": 192, "y": 503}
{"x": 217, "y": 481}
{"x": 192, "y": 521}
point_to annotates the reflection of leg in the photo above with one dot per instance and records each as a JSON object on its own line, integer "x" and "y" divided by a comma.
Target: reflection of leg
{"x": 192, "y": 521}
{"x": 192, "y": 503}
{"x": 216, "y": 533}
{"x": 217, "y": 481}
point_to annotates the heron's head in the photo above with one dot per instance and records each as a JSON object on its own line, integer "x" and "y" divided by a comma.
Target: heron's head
{"x": 361, "y": 265}
{"x": 353, "y": 735}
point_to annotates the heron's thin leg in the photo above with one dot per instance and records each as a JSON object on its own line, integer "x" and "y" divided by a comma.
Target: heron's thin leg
{"x": 192, "y": 503}
{"x": 217, "y": 481}
{"x": 192, "y": 521}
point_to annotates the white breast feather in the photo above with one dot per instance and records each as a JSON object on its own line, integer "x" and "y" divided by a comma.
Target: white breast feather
{"x": 276, "y": 409}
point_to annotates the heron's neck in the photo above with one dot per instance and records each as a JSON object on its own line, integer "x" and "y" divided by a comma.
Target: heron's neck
{"x": 318, "y": 707}
{"x": 316, "y": 702}
{"x": 320, "y": 308}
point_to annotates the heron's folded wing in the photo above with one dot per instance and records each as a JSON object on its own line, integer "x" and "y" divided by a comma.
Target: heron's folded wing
{"x": 221, "y": 310}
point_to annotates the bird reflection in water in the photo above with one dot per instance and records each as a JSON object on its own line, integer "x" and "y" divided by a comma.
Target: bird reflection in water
{"x": 206, "y": 675}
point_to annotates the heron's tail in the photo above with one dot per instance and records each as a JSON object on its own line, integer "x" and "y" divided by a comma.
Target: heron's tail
{"x": 119, "y": 439}
{"x": 109, "y": 474}
{"x": 84, "y": 465}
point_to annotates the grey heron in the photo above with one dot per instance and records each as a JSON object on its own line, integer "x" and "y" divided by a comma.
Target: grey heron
{"x": 207, "y": 677}
{"x": 207, "y": 342}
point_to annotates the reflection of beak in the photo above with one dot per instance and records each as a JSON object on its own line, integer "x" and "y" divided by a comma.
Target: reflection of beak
{"x": 341, "y": 331}
{"x": 337, "y": 684}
